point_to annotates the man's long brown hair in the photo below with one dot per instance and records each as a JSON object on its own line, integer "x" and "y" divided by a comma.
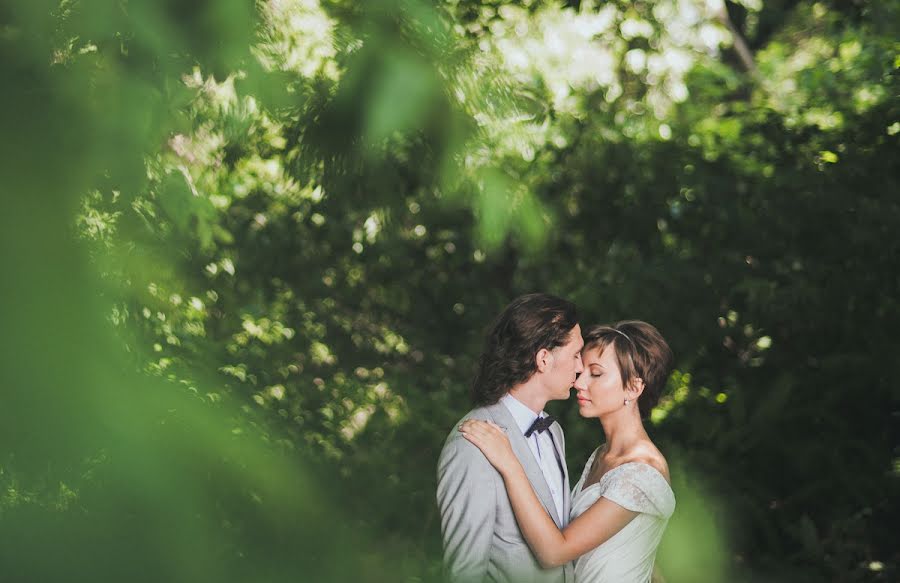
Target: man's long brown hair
{"x": 528, "y": 324}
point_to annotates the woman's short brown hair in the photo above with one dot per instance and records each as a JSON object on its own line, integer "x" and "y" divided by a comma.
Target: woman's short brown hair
{"x": 641, "y": 352}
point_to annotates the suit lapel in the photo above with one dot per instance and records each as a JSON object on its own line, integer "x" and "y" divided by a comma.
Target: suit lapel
{"x": 504, "y": 418}
{"x": 560, "y": 441}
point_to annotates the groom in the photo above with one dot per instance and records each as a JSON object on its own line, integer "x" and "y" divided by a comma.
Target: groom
{"x": 532, "y": 355}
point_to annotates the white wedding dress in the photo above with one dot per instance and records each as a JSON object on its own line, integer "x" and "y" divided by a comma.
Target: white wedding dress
{"x": 628, "y": 556}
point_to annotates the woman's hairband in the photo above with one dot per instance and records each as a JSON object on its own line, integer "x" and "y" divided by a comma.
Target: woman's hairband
{"x": 620, "y": 332}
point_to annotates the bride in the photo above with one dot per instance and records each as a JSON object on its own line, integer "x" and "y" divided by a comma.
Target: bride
{"x": 623, "y": 501}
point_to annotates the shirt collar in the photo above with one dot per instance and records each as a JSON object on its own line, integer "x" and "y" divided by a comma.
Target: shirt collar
{"x": 521, "y": 413}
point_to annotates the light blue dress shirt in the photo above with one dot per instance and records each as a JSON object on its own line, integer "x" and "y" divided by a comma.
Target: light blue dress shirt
{"x": 542, "y": 447}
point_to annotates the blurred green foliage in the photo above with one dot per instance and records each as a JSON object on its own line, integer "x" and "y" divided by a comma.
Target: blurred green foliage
{"x": 250, "y": 250}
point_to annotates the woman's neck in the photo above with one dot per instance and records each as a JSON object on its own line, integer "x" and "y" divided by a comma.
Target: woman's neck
{"x": 623, "y": 430}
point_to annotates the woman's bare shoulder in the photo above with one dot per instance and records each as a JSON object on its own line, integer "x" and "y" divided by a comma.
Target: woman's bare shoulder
{"x": 649, "y": 454}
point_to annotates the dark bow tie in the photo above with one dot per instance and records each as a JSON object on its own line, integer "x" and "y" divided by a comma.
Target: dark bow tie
{"x": 540, "y": 424}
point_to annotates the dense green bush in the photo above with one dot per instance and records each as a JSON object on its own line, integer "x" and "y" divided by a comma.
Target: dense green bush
{"x": 251, "y": 250}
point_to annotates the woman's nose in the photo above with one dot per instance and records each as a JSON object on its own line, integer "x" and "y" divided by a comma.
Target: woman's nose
{"x": 579, "y": 380}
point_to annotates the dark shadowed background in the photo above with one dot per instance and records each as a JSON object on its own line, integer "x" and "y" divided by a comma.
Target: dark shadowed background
{"x": 249, "y": 251}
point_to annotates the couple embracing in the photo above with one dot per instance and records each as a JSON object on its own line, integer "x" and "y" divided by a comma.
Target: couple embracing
{"x": 507, "y": 514}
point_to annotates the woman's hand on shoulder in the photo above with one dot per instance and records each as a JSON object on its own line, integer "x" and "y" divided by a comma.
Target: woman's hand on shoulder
{"x": 492, "y": 441}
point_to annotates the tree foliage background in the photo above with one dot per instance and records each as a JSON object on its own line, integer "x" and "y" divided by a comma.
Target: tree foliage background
{"x": 250, "y": 251}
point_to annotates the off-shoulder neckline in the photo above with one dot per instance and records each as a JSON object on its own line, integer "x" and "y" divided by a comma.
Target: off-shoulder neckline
{"x": 590, "y": 463}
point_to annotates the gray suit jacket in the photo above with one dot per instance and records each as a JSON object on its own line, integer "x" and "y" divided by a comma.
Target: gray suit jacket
{"x": 482, "y": 541}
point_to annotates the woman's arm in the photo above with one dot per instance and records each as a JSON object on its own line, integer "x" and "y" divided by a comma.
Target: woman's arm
{"x": 551, "y": 546}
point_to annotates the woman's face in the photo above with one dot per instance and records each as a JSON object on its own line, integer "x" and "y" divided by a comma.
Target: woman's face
{"x": 599, "y": 388}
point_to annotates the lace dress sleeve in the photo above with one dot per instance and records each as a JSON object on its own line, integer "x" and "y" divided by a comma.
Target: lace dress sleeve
{"x": 640, "y": 488}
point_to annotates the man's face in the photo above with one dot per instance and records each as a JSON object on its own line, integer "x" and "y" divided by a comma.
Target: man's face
{"x": 566, "y": 365}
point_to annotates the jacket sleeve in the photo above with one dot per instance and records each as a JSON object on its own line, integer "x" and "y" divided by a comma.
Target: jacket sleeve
{"x": 466, "y": 496}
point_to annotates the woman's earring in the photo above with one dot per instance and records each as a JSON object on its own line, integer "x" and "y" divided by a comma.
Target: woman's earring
{"x": 626, "y": 402}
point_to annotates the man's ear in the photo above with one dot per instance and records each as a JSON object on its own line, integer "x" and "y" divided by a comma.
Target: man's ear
{"x": 634, "y": 389}
{"x": 543, "y": 360}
